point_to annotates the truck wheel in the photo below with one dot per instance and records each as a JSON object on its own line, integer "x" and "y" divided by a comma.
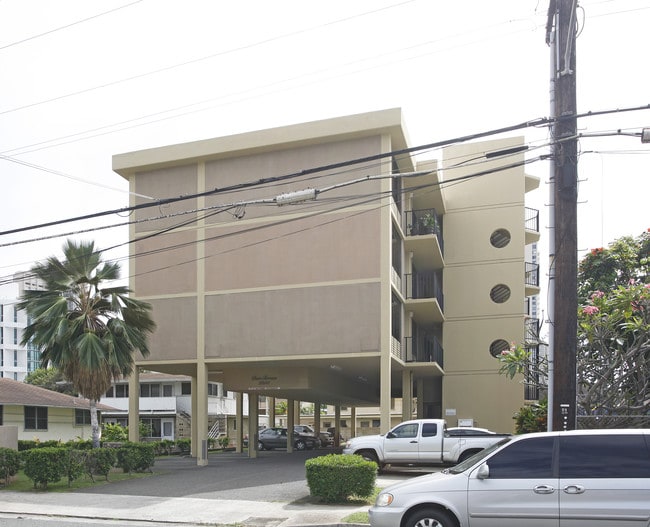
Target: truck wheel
{"x": 300, "y": 444}
{"x": 260, "y": 445}
{"x": 467, "y": 454}
{"x": 369, "y": 455}
{"x": 430, "y": 518}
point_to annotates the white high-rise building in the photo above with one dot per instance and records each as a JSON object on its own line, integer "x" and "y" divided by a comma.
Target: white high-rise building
{"x": 16, "y": 361}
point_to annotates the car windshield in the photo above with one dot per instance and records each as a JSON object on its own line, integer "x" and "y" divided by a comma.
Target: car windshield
{"x": 476, "y": 458}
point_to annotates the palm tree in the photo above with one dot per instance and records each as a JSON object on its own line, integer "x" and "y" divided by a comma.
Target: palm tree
{"x": 88, "y": 331}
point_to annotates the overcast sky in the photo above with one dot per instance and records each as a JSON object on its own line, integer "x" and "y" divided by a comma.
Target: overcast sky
{"x": 84, "y": 80}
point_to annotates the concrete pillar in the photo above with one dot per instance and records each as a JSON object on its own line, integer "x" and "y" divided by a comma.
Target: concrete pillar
{"x": 291, "y": 420}
{"x": 270, "y": 411}
{"x": 317, "y": 418}
{"x": 200, "y": 417}
{"x": 407, "y": 395}
{"x": 353, "y": 423}
{"x": 337, "y": 420}
{"x": 193, "y": 418}
{"x": 134, "y": 405}
{"x": 253, "y": 411}
{"x": 239, "y": 422}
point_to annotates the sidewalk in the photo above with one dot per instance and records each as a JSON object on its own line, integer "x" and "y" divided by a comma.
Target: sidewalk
{"x": 183, "y": 511}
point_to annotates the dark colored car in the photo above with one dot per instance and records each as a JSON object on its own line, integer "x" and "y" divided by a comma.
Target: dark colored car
{"x": 274, "y": 437}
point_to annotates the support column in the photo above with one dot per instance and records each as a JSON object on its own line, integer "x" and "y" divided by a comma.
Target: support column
{"x": 407, "y": 395}
{"x": 193, "y": 417}
{"x": 134, "y": 405}
{"x": 420, "y": 399}
{"x": 270, "y": 411}
{"x": 239, "y": 422}
{"x": 337, "y": 420}
{"x": 253, "y": 411}
{"x": 201, "y": 415}
{"x": 353, "y": 423}
{"x": 317, "y": 419}
{"x": 291, "y": 417}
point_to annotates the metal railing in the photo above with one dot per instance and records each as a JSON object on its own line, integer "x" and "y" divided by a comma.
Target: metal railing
{"x": 531, "y": 274}
{"x": 424, "y": 349}
{"x": 425, "y": 221}
{"x": 424, "y": 285}
{"x": 531, "y": 219}
{"x": 531, "y": 331}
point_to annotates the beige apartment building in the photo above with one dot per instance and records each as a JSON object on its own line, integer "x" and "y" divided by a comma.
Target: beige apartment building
{"x": 324, "y": 262}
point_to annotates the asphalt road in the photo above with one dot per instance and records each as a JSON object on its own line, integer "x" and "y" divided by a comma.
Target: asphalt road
{"x": 272, "y": 476}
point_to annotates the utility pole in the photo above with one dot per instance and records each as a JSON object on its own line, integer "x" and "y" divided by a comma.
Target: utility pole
{"x": 565, "y": 235}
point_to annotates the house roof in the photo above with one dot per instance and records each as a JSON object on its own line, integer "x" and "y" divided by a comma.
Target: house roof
{"x": 20, "y": 393}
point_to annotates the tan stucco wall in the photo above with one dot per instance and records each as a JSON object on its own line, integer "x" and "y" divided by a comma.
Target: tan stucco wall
{"x": 60, "y": 425}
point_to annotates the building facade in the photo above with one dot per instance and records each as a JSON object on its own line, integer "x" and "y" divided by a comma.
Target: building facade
{"x": 16, "y": 360}
{"x": 324, "y": 262}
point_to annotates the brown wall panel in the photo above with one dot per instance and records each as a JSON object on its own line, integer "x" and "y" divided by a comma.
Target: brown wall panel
{"x": 175, "y": 335}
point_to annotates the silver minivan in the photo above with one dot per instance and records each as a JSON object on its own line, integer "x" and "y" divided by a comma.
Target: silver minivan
{"x": 556, "y": 479}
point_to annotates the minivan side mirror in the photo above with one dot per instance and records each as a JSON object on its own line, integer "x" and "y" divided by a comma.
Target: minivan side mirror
{"x": 483, "y": 471}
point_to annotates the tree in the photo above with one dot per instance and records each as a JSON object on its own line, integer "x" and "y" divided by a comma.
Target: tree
{"x": 50, "y": 379}
{"x": 626, "y": 259}
{"x": 88, "y": 331}
{"x": 613, "y": 335}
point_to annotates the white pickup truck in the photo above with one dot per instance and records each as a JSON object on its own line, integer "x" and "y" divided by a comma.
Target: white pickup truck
{"x": 419, "y": 442}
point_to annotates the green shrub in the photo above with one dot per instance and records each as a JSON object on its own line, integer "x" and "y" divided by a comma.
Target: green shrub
{"x": 135, "y": 457}
{"x": 100, "y": 461}
{"x": 74, "y": 464}
{"x": 224, "y": 441}
{"x": 164, "y": 447}
{"x": 337, "y": 477}
{"x": 185, "y": 444}
{"x": 45, "y": 465}
{"x": 114, "y": 432}
{"x": 80, "y": 444}
{"x": 532, "y": 418}
{"x": 9, "y": 463}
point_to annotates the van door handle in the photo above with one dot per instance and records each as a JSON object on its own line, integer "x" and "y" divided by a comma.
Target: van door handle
{"x": 414, "y": 441}
{"x": 544, "y": 489}
{"x": 574, "y": 489}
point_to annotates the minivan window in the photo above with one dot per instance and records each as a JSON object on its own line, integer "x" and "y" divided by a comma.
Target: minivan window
{"x": 604, "y": 456}
{"x": 528, "y": 458}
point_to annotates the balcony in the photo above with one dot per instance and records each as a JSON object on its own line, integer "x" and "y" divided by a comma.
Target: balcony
{"x": 531, "y": 278}
{"x": 531, "y": 225}
{"x": 531, "y": 332}
{"x": 424, "y": 349}
{"x": 424, "y": 238}
{"x": 424, "y": 297}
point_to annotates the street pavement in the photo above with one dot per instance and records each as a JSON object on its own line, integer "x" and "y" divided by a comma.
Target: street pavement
{"x": 268, "y": 491}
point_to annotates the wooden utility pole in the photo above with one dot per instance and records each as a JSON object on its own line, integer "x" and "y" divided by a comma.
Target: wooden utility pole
{"x": 565, "y": 175}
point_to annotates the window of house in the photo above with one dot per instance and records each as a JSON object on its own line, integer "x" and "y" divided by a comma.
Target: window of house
{"x": 2, "y": 335}
{"x": 15, "y": 314}
{"x": 81, "y": 417}
{"x": 121, "y": 390}
{"x": 375, "y": 423}
{"x": 35, "y": 418}
{"x": 2, "y": 357}
{"x": 2, "y": 313}
{"x": 150, "y": 390}
{"x": 110, "y": 392}
{"x": 15, "y": 358}
{"x": 16, "y": 336}
{"x": 156, "y": 426}
{"x": 365, "y": 424}
{"x": 168, "y": 390}
{"x": 213, "y": 389}
{"x": 186, "y": 388}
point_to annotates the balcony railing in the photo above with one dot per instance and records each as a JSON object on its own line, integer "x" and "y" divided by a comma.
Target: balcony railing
{"x": 424, "y": 349}
{"x": 424, "y": 285}
{"x": 532, "y": 274}
{"x": 531, "y": 331}
{"x": 424, "y": 221}
{"x": 531, "y": 221}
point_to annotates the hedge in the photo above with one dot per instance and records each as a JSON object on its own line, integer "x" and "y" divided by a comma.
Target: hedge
{"x": 9, "y": 463}
{"x": 136, "y": 457}
{"x": 337, "y": 477}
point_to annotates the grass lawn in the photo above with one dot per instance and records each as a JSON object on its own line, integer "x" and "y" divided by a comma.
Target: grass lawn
{"x": 22, "y": 483}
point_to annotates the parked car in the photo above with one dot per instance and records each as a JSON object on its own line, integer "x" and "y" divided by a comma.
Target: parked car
{"x": 325, "y": 438}
{"x": 275, "y": 437}
{"x": 580, "y": 477}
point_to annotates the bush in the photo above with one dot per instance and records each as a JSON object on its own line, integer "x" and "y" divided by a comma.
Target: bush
{"x": 136, "y": 457}
{"x": 74, "y": 464}
{"x": 185, "y": 444}
{"x": 27, "y": 444}
{"x": 45, "y": 465}
{"x": 531, "y": 418}
{"x": 100, "y": 461}
{"x": 9, "y": 463}
{"x": 337, "y": 477}
{"x": 114, "y": 432}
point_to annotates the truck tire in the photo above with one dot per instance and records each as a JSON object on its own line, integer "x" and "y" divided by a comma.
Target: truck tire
{"x": 466, "y": 454}
{"x": 369, "y": 455}
{"x": 300, "y": 445}
{"x": 430, "y": 517}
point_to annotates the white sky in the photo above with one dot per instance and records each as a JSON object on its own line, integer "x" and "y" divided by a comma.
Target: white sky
{"x": 158, "y": 72}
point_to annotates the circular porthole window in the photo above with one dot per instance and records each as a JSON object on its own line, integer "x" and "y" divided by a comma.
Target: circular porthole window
{"x": 500, "y": 293}
{"x": 500, "y": 238}
{"x": 498, "y": 346}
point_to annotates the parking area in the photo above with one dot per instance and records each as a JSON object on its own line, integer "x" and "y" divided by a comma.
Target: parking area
{"x": 272, "y": 476}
